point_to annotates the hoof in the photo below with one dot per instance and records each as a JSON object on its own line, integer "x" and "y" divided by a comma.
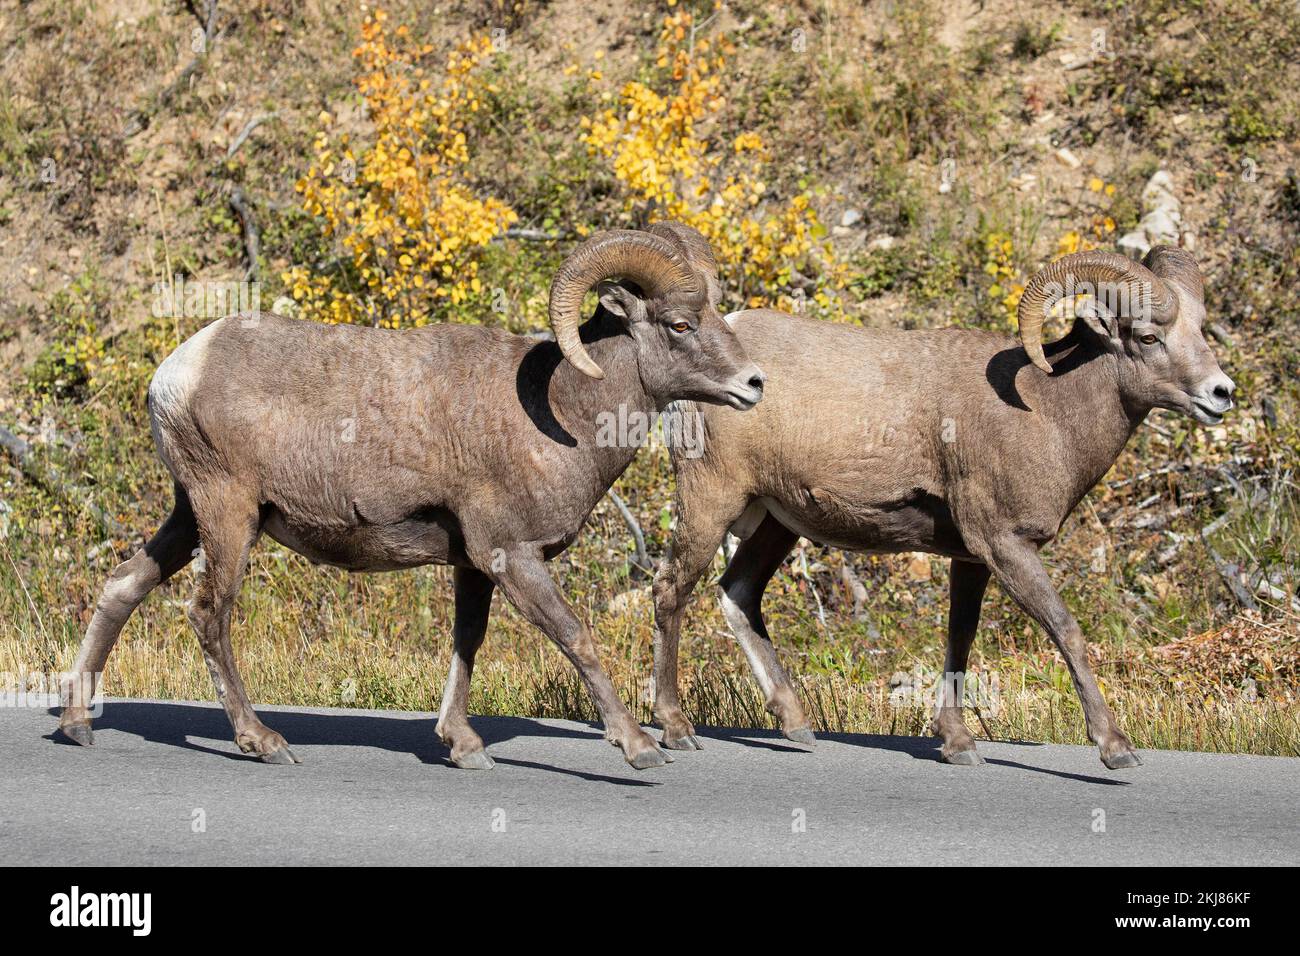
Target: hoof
{"x": 1122, "y": 760}
{"x": 649, "y": 758}
{"x": 963, "y": 758}
{"x": 681, "y": 743}
{"x": 474, "y": 760}
{"x": 801, "y": 735}
{"x": 282, "y": 756}
{"x": 78, "y": 733}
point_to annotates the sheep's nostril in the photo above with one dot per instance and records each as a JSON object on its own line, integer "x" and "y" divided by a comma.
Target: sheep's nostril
{"x": 1223, "y": 392}
{"x": 756, "y": 381}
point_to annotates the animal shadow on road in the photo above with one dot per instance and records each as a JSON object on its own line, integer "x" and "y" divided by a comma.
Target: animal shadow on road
{"x": 918, "y": 748}
{"x": 175, "y": 724}
{"x": 927, "y": 748}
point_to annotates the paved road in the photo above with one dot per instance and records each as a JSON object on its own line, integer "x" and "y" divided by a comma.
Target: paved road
{"x": 374, "y": 787}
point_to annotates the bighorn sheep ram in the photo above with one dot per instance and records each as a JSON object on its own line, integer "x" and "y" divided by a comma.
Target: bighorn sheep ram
{"x": 375, "y": 450}
{"x": 954, "y": 442}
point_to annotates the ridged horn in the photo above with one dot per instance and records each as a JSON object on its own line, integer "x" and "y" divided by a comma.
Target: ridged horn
{"x": 651, "y": 261}
{"x": 1170, "y": 262}
{"x": 1121, "y": 284}
{"x": 698, "y": 252}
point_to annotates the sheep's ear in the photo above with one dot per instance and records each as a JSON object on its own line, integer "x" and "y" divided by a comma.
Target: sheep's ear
{"x": 1099, "y": 319}
{"x": 618, "y": 300}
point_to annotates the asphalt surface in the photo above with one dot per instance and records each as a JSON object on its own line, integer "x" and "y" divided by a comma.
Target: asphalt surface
{"x": 165, "y": 784}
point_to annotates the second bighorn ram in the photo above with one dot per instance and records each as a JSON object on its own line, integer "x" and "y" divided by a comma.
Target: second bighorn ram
{"x": 954, "y": 442}
{"x": 375, "y": 450}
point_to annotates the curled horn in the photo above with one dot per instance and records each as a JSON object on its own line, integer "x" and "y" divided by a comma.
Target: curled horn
{"x": 1170, "y": 262}
{"x": 1111, "y": 277}
{"x": 651, "y": 261}
{"x": 697, "y": 250}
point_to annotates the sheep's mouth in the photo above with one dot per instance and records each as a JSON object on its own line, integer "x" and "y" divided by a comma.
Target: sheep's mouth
{"x": 743, "y": 399}
{"x": 1207, "y": 415}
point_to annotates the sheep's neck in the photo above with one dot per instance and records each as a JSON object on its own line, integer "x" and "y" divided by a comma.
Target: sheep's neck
{"x": 617, "y": 406}
{"x": 1088, "y": 408}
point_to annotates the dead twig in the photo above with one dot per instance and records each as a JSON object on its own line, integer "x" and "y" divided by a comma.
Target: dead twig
{"x": 857, "y": 590}
{"x": 641, "y": 560}
{"x": 1229, "y": 572}
{"x": 48, "y": 477}
{"x": 979, "y": 714}
{"x": 533, "y": 235}
{"x": 1168, "y": 554}
{"x": 138, "y": 120}
{"x": 247, "y": 131}
{"x": 802, "y": 565}
{"x": 252, "y": 238}
{"x": 1223, "y": 336}
{"x": 1168, "y": 470}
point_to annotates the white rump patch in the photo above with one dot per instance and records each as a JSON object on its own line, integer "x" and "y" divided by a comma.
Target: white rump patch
{"x": 178, "y": 375}
{"x": 173, "y": 385}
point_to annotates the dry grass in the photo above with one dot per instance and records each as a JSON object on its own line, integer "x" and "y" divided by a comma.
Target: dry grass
{"x": 323, "y": 638}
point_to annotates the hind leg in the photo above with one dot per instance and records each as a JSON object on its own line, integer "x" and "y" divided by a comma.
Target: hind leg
{"x": 229, "y": 524}
{"x": 756, "y": 560}
{"x": 473, "y": 603}
{"x": 968, "y": 582}
{"x": 166, "y": 553}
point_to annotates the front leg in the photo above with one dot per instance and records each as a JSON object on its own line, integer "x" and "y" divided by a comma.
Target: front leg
{"x": 1018, "y": 568}
{"x": 703, "y": 518}
{"x": 673, "y": 584}
{"x": 520, "y": 572}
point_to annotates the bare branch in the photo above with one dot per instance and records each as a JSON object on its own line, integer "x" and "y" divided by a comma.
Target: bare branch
{"x": 49, "y": 478}
{"x": 641, "y": 559}
{"x": 252, "y": 239}
{"x": 247, "y": 131}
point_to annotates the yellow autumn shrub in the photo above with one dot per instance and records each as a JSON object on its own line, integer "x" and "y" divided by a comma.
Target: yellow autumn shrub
{"x": 407, "y": 226}
{"x": 1000, "y": 257}
{"x": 671, "y": 168}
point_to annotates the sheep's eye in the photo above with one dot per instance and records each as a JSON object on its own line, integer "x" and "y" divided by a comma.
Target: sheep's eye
{"x": 1147, "y": 339}
{"x": 681, "y": 327}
